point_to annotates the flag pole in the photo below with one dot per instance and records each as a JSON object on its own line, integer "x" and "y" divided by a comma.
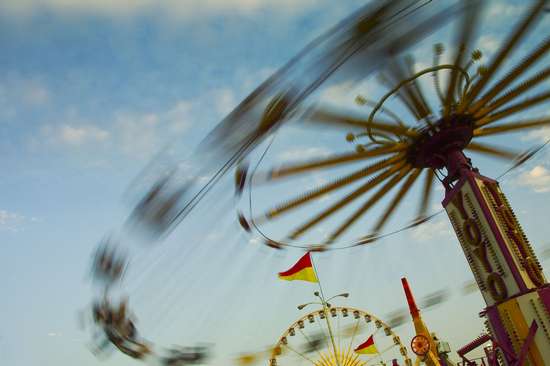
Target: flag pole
{"x": 325, "y": 306}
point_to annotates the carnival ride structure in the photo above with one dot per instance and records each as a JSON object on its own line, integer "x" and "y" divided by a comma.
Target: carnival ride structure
{"x": 431, "y": 142}
{"x": 427, "y": 347}
{"x": 393, "y": 152}
{"x": 329, "y": 335}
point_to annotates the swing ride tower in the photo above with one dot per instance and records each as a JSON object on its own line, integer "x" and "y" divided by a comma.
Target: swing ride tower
{"x": 435, "y": 141}
{"x": 504, "y": 265}
{"x": 423, "y": 136}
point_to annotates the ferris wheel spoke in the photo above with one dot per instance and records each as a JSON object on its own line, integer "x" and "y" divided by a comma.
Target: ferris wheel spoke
{"x": 335, "y": 160}
{"x": 355, "y": 328}
{"x": 426, "y": 194}
{"x": 341, "y": 339}
{"x": 514, "y": 93}
{"x": 300, "y": 354}
{"x": 510, "y": 127}
{"x": 324, "y": 332}
{"x": 348, "y": 331}
{"x": 327, "y": 116}
{"x": 517, "y": 71}
{"x": 346, "y": 200}
{"x": 518, "y": 107}
{"x": 492, "y": 150}
{"x": 396, "y": 200}
{"x": 313, "y": 345}
{"x": 370, "y": 202}
{"x": 468, "y": 26}
{"x": 506, "y": 48}
{"x": 332, "y": 186}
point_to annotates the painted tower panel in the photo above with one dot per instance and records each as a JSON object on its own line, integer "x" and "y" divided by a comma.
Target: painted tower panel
{"x": 532, "y": 308}
{"x": 504, "y": 265}
{"x": 492, "y": 266}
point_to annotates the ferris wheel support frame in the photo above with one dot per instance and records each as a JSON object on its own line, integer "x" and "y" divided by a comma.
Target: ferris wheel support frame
{"x": 503, "y": 263}
{"x": 331, "y": 312}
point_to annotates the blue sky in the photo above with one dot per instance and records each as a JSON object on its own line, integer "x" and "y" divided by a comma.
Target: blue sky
{"x": 90, "y": 91}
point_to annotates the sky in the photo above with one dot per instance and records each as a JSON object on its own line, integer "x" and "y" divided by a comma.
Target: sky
{"x": 92, "y": 91}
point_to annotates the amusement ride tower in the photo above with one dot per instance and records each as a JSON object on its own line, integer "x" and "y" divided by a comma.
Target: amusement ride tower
{"x": 472, "y": 105}
{"x": 395, "y": 151}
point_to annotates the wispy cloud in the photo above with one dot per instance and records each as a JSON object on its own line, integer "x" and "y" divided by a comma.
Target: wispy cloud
{"x": 498, "y": 10}
{"x": 18, "y": 92}
{"x": 340, "y": 94}
{"x": 11, "y": 221}
{"x": 540, "y": 134}
{"x": 74, "y": 135}
{"x": 254, "y": 241}
{"x": 35, "y": 93}
{"x": 128, "y": 132}
{"x": 303, "y": 153}
{"x": 180, "y": 9}
{"x": 142, "y": 134}
{"x": 224, "y": 100}
{"x": 438, "y": 227}
{"x": 251, "y": 79}
{"x": 537, "y": 179}
{"x": 488, "y": 44}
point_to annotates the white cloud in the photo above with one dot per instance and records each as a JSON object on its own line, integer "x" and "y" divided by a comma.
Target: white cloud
{"x": 177, "y": 117}
{"x": 224, "y": 100}
{"x": 142, "y": 135}
{"x": 137, "y": 135}
{"x": 488, "y": 44}
{"x": 437, "y": 227}
{"x": 254, "y": 241}
{"x": 74, "y": 134}
{"x": 498, "y": 10}
{"x": 179, "y": 9}
{"x": 78, "y": 135}
{"x": 36, "y": 94}
{"x": 340, "y": 94}
{"x": 17, "y": 92}
{"x": 251, "y": 80}
{"x": 131, "y": 133}
{"x": 10, "y": 221}
{"x": 540, "y": 134}
{"x": 303, "y": 154}
{"x": 537, "y": 178}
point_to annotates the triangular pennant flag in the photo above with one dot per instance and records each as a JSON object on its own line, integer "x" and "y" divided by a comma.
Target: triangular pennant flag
{"x": 302, "y": 271}
{"x": 367, "y": 348}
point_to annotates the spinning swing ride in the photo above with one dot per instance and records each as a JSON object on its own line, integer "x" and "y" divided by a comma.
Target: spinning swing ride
{"x": 474, "y": 99}
{"x": 396, "y": 153}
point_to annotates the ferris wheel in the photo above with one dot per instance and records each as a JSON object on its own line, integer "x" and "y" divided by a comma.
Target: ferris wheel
{"x": 330, "y": 335}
